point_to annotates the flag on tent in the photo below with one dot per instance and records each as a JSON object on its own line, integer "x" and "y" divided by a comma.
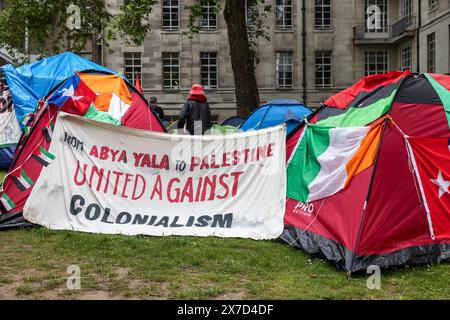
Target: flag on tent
{"x": 43, "y": 156}
{"x": 327, "y": 158}
{"x": 74, "y": 96}
{"x": 48, "y": 131}
{"x": 6, "y": 202}
{"x": 431, "y": 160}
{"x": 138, "y": 85}
{"x": 21, "y": 180}
{"x": 27, "y": 120}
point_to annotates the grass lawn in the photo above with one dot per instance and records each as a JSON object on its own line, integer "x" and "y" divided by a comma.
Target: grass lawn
{"x": 33, "y": 264}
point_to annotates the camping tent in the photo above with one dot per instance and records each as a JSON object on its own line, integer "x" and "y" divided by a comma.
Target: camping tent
{"x": 97, "y": 95}
{"x": 30, "y": 82}
{"x": 234, "y": 121}
{"x": 276, "y": 112}
{"x": 368, "y": 176}
{"x": 9, "y": 127}
{"x": 24, "y": 87}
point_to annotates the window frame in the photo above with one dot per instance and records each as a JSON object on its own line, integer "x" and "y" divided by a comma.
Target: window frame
{"x": 324, "y": 84}
{"x": 385, "y": 15}
{"x": 284, "y": 25}
{"x": 171, "y": 9}
{"x": 171, "y": 57}
{"x": 284, "y": 72}
{"x": 431, "y": 52}
{"x": 406, "y": 58}
{"x": 367, "y": 71}
{"x": 208, "y": 13}
{"x": 133, "y": 66}
{"x": 209, "y": 66}
{"x": 322, "y": 25}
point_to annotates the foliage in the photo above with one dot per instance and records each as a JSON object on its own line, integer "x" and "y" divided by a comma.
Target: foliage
{"x": 46, "y": 23}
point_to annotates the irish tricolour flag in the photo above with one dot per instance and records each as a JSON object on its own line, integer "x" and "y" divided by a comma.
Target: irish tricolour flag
{"x": 327, "y": 158}
{"x": 43, "y": 156}
{"x": 21, "y": 180}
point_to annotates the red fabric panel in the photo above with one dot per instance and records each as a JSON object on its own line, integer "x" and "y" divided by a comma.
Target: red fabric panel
{"x": 139, "y": 116}
{"x": 342, "y": 99}
{"x": 433, "y": 163}
{"x": 444, "y": 80}
{"x": 394, "y": 218}
{"x": 426, "y": 120}
{"x": 339, "y": 217}
{"x": 31, "y": 167}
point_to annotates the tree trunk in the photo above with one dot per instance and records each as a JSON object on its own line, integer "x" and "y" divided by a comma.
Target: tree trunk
{"x": 246, "y": 87}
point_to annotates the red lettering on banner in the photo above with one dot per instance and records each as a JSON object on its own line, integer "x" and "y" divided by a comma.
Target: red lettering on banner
{"x": 195, "y": 162}
{"x": 134, "y": 196}
{"x": 127, "y": 180}
{"x": 236, "y": 176}
{"x": 224, "y": 185}
{"x": 169, "y": 191}
{"x": 77, "y": 170}
{"x": 188, "y": 191}
{"x": 94, "y": 151}
{"x": 157, "y": 188}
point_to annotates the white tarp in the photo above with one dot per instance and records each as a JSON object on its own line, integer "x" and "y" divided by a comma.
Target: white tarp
{"x": 9, "y": 128}
{"x": 108, "y": 179}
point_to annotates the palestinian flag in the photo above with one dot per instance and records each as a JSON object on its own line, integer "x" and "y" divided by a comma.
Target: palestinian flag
{"x": 43, "y": 156}
{"x": 28, "y": 119}
{"x": 21, "y": 180}
{"x": 6, "y": 202}
{"x": 48, "y": 131}
{"x": 327, "y": 158}
{"x": 26, "y": 130}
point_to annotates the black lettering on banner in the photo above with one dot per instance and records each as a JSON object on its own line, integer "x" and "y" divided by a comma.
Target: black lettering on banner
{"x": 74, "y": 210}
{"x": 73, "y": 141}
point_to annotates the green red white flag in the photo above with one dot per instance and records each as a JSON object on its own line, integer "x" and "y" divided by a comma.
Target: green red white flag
{"x": 326, "y": 159}
{"x": 43, "y": 156}
{"x": 431, "y": 161}
{"x": 22, "y": 180}
{"x": 6, "y": 202}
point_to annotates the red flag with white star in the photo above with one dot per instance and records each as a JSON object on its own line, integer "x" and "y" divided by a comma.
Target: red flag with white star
{"x": 431, "y": 161}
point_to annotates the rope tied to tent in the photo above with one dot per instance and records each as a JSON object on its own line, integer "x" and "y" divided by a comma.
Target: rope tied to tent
{"x": 410, "y": 162}
{"x": 309, "y": 225}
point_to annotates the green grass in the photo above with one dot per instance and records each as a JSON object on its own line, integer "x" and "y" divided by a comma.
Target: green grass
{"x": 33, "y": 264}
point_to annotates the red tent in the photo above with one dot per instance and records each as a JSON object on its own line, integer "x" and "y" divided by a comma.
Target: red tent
{"x": 98, "y": 95}
{"x": 396, "y": 208}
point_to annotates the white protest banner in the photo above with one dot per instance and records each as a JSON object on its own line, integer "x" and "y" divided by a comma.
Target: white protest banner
{"x": 109, "y": 179}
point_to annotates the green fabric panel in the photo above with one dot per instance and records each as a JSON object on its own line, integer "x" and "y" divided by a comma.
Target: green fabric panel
{"x": 359, "y": 117}
{"x": 217, "y": 129}
{"x": 304, "y": 167}
{"x": 443, "y": 94}
{"x": 97, "y": 115}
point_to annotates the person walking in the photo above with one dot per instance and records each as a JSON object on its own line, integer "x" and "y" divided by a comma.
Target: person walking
{"x": 157, "y": 109}
{"x": 195, "y": 113}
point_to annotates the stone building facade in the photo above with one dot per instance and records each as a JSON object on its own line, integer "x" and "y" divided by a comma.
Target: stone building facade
{"x": 309, "y": 59}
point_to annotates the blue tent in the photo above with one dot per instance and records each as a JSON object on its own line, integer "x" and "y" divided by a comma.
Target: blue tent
{"x": 276, "y": 112}
{"x": 30, "y": 82}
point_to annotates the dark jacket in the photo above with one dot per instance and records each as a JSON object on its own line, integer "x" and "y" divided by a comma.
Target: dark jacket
{"x": 159, "y": 112}
{"x": 195, "y": 113}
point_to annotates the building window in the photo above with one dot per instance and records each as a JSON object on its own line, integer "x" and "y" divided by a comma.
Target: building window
{"x": 431, "y": 53}
{"x": 376, "y": 62}
{"x": 323, "y": 14}
{"x": 407, "y": 11}
{"x": 251, "y": 13}
{"x": 284, "y": 67}
{"x": 209, "y": 69}
{"x": 209, "y": 16}
{"x": 405, "y": 58}
{"x": 432, "y": 4}
{"x": 170, "y": 15}
{"x": 377, "y": 12}
{"x": 284, "y": 14}
{"x": 323, "y": 69}
{"x": 171, "y": 70}
{"x": 133, "y": 66}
